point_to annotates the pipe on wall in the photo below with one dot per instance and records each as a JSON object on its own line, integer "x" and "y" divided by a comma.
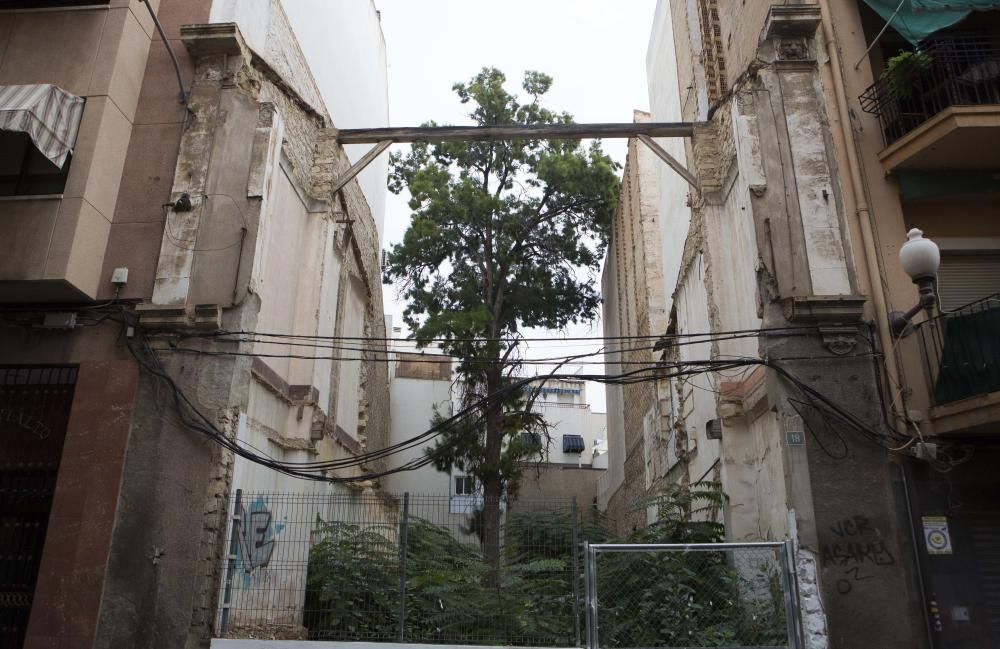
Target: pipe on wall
{"x": 862, "y": 213}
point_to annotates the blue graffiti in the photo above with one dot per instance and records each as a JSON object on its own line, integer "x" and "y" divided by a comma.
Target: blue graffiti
{"x": 257, "y": 536}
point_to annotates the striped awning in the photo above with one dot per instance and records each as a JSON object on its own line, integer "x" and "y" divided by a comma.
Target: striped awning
{"x": 48, "y": 114}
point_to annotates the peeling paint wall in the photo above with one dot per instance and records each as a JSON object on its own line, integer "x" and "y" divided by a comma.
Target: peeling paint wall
{"x": 767, "y": 243}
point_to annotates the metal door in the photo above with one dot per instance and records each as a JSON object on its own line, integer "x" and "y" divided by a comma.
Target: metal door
{"x": 34, "y": 410}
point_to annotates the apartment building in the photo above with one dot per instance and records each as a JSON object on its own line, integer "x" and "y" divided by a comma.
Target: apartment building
{"x": 167, "y": 172}
{"x": 423, "y": 387}
{"x": 861, "y": 428}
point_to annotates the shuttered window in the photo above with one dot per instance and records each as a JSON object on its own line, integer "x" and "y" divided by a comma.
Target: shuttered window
{"x": 573, "y": 444}
{"x": 965, "y": 277}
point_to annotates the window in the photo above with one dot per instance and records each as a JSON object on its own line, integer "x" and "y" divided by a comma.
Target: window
{"x": 573, "y": 444}
{"x": 531, "y": 440}
{"x": 967, "y": 276}
{"x": 25, "y": 171}
{"x": 465, "y": 485}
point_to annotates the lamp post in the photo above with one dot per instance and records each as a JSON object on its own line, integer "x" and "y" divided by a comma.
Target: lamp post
{"x": 920, "y": 258}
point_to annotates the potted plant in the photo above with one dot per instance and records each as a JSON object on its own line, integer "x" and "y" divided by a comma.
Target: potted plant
{"x": 903, "y": 71}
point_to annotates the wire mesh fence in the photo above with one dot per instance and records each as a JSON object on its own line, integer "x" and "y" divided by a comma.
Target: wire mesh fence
{"x": 685, "y": 596}
{"x": 406, "y": 568}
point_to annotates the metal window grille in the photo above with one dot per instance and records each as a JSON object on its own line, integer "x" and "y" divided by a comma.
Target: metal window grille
{"x": 35, "y": 404}
{"x": 961, "y": 351}
{"x": 950, "y": 70}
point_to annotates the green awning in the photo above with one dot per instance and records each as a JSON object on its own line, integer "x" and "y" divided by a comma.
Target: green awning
{"x": 955, "y": 5}
{"x": 918, "y": 19}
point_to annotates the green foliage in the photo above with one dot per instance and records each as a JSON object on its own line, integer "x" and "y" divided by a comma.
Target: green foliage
{"x": 689, "y": 599}
{"x": 503, "y": 235}
{"x": 349, "y": 555}
{"x": 647, "y": 599}
{"x": 903, "y": 71}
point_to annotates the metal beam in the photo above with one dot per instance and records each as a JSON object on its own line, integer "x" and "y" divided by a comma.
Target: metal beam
{"x": 669, "y": 159}
{"x": 515, "y": 132}
{"x": 360, "y": 165}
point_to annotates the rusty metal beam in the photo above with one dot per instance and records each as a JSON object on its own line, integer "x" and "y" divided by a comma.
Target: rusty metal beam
{"x": 671, "y": 161}
{"x": 514, "y": 132}
{"x": 360, "y": 165}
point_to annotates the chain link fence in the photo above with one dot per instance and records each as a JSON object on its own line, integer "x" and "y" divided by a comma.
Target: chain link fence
{"x": 404, "y": 568}
{"x": 732, "y": 595}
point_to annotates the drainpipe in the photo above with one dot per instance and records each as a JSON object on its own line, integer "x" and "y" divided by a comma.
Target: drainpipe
{"x": 862, "y": 212}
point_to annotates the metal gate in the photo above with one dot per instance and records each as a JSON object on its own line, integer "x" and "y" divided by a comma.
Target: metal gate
{"x": 676, "y": 596}
{"x": 34, "y": 410}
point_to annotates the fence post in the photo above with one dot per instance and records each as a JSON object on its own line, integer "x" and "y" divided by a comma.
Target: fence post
{"x": 791, "y": 595}
{"x": 404, "y": 526}
{"x": 590, "y": 593}
{"x": 576, "y": 575}
{"x": 234, "y": 541}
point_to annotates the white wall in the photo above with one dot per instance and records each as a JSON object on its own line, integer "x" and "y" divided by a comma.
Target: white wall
{"x": 343, "y": 44}
{"x": 412, "y": 403}
{"x": 674, "y": 216}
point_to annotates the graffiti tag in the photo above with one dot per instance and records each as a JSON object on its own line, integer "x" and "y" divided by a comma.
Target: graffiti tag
{"x": 857, "y": 549}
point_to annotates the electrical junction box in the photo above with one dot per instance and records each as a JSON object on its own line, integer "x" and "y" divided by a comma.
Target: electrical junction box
{"x": 59, "y": 320}
{"x": 120, "y": 276}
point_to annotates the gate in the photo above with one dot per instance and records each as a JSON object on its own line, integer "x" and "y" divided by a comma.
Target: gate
{"x": 676, "y": 596}
{"x": 34, "y": 410}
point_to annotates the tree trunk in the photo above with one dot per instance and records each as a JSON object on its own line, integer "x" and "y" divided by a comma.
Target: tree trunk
{"x": 493, "y": 483}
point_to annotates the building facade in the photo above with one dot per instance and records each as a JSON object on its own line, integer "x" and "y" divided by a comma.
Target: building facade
{"x": 157, "y": 265}
{"x": 569, "y": 460}
{"x": 816, "y": 149}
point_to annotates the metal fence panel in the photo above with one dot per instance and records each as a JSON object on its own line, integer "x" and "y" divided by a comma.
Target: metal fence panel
{"x": 684, "y": 596}
{"x": 405, "y": 568}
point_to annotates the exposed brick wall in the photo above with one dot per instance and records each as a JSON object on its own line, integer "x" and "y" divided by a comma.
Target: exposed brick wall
{"x": 636, "y": 240}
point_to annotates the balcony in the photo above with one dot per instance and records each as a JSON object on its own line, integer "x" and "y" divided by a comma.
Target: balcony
{"x": 961, "y": 352}
{"x": 939, "y": 108}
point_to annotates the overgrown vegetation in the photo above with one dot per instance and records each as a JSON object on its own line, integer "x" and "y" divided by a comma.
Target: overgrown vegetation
{"x": 661, "y": 599}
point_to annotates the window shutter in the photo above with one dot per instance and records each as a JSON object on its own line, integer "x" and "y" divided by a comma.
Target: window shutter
{"x": 967, "y": 277}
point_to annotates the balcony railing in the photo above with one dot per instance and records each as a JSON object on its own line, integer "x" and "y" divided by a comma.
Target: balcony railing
{"x": 961, "y": 351}
{"x": 948, "y": 70}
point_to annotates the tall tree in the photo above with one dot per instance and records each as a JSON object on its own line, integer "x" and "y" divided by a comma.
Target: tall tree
{"x": 504, "y": 235}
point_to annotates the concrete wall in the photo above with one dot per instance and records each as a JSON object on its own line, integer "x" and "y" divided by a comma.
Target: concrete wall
{"x": 560, "y": 483}
{"x": 413, "y": 404}
{"x": 610, "y": 483}
{"x": 58, "y": 243}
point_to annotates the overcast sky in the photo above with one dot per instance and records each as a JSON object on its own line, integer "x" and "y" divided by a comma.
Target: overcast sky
{"x": 594, "y": 49}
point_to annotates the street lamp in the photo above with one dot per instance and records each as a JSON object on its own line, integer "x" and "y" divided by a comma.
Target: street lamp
{"x": 920, "y": 258}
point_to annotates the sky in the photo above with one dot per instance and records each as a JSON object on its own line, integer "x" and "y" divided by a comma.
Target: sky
{"x": 594, "y": 49}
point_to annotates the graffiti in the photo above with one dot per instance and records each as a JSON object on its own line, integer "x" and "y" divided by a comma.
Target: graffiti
{"x": 857, "y": 549}
{"x": 257, "y": 536}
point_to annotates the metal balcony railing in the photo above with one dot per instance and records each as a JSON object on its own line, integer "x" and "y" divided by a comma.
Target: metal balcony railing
{"x": 948, "y": 70}
{"x": 961, "y": 351}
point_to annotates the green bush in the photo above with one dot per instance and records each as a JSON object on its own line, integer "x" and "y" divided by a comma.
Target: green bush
{"x": 661, "y": 599}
